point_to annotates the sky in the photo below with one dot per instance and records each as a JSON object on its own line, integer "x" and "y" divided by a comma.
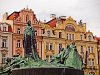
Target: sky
{"x": 86, "y": 10}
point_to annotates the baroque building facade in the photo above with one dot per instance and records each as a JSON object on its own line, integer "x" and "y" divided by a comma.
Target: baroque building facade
{"x": 19, "y": 22}
{"x": 51, "y": 37}
{"x": 60, "y": 32}
{"x": 98, "y": 42}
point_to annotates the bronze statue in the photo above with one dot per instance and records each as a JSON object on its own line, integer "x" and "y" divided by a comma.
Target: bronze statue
{"x": 29, "y": 42}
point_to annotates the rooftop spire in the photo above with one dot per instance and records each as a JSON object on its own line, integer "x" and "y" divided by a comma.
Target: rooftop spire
{"x": 27, "y": 6}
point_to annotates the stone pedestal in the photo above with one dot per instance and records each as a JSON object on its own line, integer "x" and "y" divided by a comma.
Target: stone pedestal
{"x": 47, "y": 71}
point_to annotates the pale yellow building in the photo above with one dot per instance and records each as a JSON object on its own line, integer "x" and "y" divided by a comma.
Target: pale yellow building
{"x": 60, "y": 32}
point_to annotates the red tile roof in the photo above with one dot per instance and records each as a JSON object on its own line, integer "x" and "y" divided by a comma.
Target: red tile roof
{"x": 52, "y": 22}
{"x": 13, "y": 16}
{"x": 9, "y": 29}
{"x": 98, "y": 40}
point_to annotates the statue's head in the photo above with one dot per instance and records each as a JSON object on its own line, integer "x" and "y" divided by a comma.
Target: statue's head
{"x": 73, "y": 43}
{"x": 29, "y": 23}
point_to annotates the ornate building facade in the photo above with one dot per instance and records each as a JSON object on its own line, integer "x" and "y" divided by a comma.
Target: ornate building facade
{"x": 19, "y": 22}
{"x": 60, "y": 32}
{"x": 51, "y": 37}
{"x": 98, "y": 42}
{"x": 5, "y": 42}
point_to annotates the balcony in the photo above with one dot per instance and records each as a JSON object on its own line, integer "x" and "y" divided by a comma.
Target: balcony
{"x": 4, "y": 47}
{"x": 90, "y": 67}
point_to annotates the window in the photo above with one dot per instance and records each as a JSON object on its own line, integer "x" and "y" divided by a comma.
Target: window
{"x": 92, "y": 73}
{"x": 27, "y": 18}
{"x": 89, "y": 38}
{"x": 50, "y": 46}
{"x": 53, "y": 32}
{"x": 81, "y": 48}
{"x": 48, "y": 33}
{"x": 72, "y": 36}
{"x": 42, "y": 31}
{"x": 50, "y": 57}
{"x": 3, "y": 58}
{"x": 35, "y": 32}
{"x": 81, "y": 37}
{"x": 91, "y": 62}
{"x": 4, "y": 43}
{"x": 18, "y": 43}
{"x": 4, "y": 28}
{"x": 47, "y": 46}
{"x": 47, "y": 57}
{"x": 18, "y": 31}
{"x": 60, "y": 34}
{"x": 70, "y": 28}
{"x": 60, "y": 47}
{"x": 89, "y": 49}
{"x": 67, "y": 36}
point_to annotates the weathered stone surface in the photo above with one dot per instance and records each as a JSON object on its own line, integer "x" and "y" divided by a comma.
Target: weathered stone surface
{"x": 47, "y": 71}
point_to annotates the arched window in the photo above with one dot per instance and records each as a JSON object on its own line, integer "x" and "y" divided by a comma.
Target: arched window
{"x": 18, "y": 43}
{"x": 50, "y": 46}
{"x": 48, "y": 33}
{"x": 70, "y": 28}
{"x": 18, "y": 31}
{"x": 89, "y": 38}
{"x": 27, "y": 18}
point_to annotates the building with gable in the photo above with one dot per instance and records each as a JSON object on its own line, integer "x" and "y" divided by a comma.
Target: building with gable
{"x": 60, "y": 32}
{"x": 5, "y": 42}
{"x": 51, "y": 37}
{"x": 19, "y": 22}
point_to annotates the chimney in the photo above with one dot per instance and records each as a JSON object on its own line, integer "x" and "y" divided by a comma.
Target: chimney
{"x": 53, "y": 16}
{"x": 62, "y": 17}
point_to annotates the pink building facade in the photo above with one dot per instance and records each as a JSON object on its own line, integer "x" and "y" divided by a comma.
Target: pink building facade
{"x": 19, "y": 22}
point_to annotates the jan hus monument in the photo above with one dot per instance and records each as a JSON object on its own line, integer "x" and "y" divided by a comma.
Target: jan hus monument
{"x": 67, "y": 62}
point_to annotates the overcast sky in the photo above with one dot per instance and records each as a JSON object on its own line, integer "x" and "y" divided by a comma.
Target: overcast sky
{"x": 87, "y": 10}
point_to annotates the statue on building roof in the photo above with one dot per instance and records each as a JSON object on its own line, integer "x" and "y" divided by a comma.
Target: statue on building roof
{"x": 80, "y": 22}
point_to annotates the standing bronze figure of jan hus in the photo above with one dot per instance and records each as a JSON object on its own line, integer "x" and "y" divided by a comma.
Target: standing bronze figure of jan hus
{"x": 29, "y": 42}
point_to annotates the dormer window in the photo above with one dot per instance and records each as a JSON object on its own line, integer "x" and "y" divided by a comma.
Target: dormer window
{"x": 4, "y": 28}
{"x": 89, "y": 38}
{"x": 48, "y": 33}
{"x": 18, "y": 31}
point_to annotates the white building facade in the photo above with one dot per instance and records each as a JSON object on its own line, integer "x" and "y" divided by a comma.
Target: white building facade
{"x": 5, "y": 42}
